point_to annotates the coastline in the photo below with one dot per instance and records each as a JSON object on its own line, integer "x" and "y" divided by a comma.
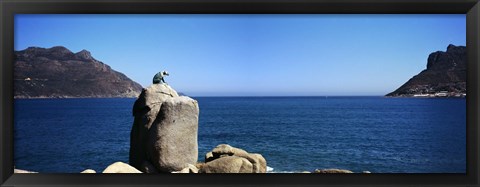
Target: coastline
{"x": 427, "y": 96}
{"x": 72, "y": 97}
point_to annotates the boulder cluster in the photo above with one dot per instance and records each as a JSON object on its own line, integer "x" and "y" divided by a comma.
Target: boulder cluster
{"x": 163, "y": 138}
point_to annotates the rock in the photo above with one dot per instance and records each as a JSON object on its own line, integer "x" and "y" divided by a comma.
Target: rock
{"x": 172, "y": 140}
{"x": 89, "y": 171}
{"x": 189, "y": 169}
{"x": 120, "y": 167}
{"x": 145, "y": 111}
{"x": 181, "y": 171}
{"x": 209, "y": 157}
{"x": 22, "y": 171}
{"x": 259, "y": 163}
{"x": 148, "y": 167}
{"x": 192, "y": 168}
{"x": 151, "y": 96}
{"x": 228, "y": 164}
{"x": 332, "y": 171}
{"x": 227, "y": 150}
{"x": 84, "y": 55}
{"x": 199, "y": 165}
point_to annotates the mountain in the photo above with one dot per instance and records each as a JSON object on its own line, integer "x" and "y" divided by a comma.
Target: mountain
{"x": 59, "y": 73}
{"x": 446, "y": 75}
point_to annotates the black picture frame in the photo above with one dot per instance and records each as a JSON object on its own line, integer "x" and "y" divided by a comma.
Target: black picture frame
{"x": 11, "y": 7}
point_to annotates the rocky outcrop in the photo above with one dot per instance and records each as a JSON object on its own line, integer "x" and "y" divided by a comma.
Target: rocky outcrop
{"x": 172, "y": 142}
{"x": 59, "y": 73}
{"x": 164, "y": 133}
{"x": 227, "y": 159}
{"x": 164, "y": 138}
{"x": 145, "y": 111}
{"x": 445, "y": 75}
{"x": 120, "y": 167}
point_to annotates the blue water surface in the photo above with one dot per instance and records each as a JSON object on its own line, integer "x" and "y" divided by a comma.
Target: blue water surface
{"x": 376, "y": 134}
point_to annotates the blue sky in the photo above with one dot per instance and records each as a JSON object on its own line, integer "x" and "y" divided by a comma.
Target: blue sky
{"x": 254, "y": 55}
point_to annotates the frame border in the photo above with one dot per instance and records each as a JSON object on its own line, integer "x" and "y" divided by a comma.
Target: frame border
{"x": 11, "y": 7}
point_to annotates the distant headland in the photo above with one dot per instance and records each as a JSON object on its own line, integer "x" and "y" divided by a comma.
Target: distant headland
{"x": 445, "y": 76}
{"x": 59, "y": 73}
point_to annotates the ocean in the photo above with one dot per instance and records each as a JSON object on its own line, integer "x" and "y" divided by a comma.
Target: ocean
{"x": 294, "y": 134}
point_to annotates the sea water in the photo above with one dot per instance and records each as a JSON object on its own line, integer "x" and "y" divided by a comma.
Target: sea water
{"x": 294, "y": 134}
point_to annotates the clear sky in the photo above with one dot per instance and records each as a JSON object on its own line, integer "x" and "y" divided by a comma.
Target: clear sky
{"x": 254, "y": 55}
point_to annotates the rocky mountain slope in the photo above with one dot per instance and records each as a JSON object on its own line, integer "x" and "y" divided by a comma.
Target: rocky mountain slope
{"x": 59, "y": 73}
{"x": 446, "y": 75}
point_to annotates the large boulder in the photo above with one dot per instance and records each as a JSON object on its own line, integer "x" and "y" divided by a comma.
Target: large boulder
{"x": 145, "y": 111}
{"x": 228, "y": 164}
{"x": 259, "y": 164}
{"x": 120, "y": 167}
{"x": 172, "y": 140}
